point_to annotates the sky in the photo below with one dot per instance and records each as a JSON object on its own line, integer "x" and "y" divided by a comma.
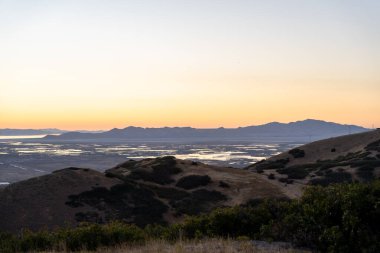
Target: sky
{"x": 103, "y": 64}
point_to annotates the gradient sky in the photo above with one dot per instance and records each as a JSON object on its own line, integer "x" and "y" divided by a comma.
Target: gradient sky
{"x": 103, "y": 64}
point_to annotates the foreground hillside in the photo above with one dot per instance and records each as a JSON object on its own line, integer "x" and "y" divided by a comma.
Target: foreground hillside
{"x": 160, "y": 190}
{"x": 214, "y": 245}
{"x": 336, "y": 218}
{"x": 349, "y": 158}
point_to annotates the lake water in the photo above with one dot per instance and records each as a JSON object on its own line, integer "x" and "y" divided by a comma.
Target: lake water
{"x": 24, "y": 158}
{"x": 13, "y": 137}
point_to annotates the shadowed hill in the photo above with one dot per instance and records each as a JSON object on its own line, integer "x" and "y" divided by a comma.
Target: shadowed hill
{"x": 347, "y": 158}
{"x": 40, "y": 201}
{"x": 160, "y": 190}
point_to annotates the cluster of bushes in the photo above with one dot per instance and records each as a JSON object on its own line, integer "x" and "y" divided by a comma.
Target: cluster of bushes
{"x": 332, "y": 178}
{"x": 337, "y": 218}
{"x": 285, "y": 180}
{"x": 120, "y": 202}
{"x": 193, "y": 181}
{"x": 161, "y": 172}
{"x": 169, "y": 193}
{"x": 364, "y": 163}
{"x": 87, "y": 236}
{"x": 198, "y": 201}
{"x": 297, "y": 153}
{"x": 366, "y": 173}
{"x": 265, "y": 165}
{"x": 295, "y": 172}
{"x": 223, "y": 184}
{"x": 374, "y": 146}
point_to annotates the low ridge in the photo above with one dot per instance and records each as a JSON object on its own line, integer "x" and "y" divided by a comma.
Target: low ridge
{"x": 160, "y": 190}
{"x": 349, "y": 158}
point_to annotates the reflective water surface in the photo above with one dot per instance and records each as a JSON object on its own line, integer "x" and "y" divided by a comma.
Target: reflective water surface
{"x": 21, "y": 159}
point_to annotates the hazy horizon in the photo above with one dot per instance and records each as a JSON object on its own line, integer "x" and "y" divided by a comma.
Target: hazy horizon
{"x": 206, "y": 64}
{"x": 47, "y": 128}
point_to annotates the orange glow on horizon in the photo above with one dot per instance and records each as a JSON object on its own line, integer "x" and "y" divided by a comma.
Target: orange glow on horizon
{"x": 202, "y": 64}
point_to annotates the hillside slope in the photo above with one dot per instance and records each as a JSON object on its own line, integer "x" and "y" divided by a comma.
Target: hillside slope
{"x": 160, "y": 190}
{"x": 347, "y": 158}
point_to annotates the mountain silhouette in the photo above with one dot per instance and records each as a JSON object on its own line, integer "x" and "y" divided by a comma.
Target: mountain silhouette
{"x": 305, "y": 130}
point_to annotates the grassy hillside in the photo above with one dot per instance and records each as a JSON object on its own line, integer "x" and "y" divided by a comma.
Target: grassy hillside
{"x": 337, "y": 218}
{"x": 350, "y": 158}
{"x": 214, "y": 245}
{"x": 160, "y": 190}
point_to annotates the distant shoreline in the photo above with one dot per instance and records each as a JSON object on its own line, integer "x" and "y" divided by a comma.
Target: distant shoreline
{"x": 17, "y": 137}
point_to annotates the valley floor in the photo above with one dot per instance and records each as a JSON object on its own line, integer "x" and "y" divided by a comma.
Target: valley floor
{"x": 202, "y": 246}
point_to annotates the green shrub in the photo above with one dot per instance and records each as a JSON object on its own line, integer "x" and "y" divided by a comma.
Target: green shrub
{"x": 93, "y": 236}
{"x": 337, "y": 218}
{"x": 8, "y": 242}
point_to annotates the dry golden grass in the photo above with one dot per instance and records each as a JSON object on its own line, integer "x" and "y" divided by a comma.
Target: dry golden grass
{"x": 199, "y": 246}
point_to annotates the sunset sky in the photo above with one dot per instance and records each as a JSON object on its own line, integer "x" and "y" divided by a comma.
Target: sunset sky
{"x": 103, "y": 64}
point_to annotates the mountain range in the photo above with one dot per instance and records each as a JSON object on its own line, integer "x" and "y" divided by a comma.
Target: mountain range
{"x": 306, "y": 130}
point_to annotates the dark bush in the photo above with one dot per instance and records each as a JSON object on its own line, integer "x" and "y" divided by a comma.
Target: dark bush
{"x": 265, "y": 165}
{"x": 285, "y": 180}
{"x": 271, "y": 176}
{"x": 198, "y": 202}
{"x": 223, "y": 184}
{"x": 374, "y": 146}
{"x": 366, "y": 173}
{"x": 319, "y": 173}
{"x": 339, "y": 218}
{"x": 90, "y": 217}
{"x": 332, "y": 178}
{"x": 170, "y": 193}
{"x": 128, "y": 164}
{"x": 297, "y": 153}
{"x": 161, "y": 172}
{"x": 193, "y": 181}
{"x": 93, "y": 236}
{"x": 296, "y": 172}
{"x": 126, "y": 201}
{"x": 156, "y": 177}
